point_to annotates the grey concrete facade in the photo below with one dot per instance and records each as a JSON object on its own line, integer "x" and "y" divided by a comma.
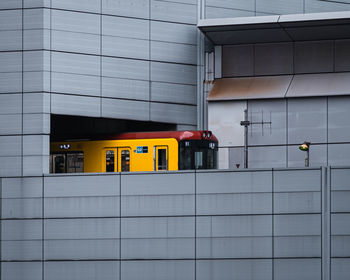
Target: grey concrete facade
{"x": 253, "y": 224}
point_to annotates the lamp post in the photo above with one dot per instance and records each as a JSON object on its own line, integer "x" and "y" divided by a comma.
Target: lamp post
{"x": 306, "y": 147}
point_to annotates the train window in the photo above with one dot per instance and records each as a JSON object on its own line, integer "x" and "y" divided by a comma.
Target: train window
{"x": 75, "y": 162}
{"x": 125, "y": 160}
{"x": 59, "y": 163}
{"x": 198, "y": 157}
{"x": 162, "y": 162}
{"x": 110, "y": 161}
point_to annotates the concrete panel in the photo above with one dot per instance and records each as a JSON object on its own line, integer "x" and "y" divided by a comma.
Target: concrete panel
{"x": 132, "y": 8}
{"x": 75, "y": 105}
{"x": 36, "y": 61}
{"x": 11, "y": 4}
{"x": 237, "y": 204}
{"x": 342, "y": 57}
{"x": 234, "y": 226}
{"x": 81, "y": 249}
{"x": 36, "y": 18}
{"x": 77, "y": 270}
{"x": 75, "y": 63}
{"x": 234, "y": 182}
{"x": 173, "y": 32}
{"x": 340, "y": 179}
{"x": 174, "y": 12}
{"x": 37, "y": 3}
{"x": 303, "y": 269}
{"x": 10, "y": 40}
{"x": 21, "y": 270}
{"x": 297, "y": 247}
{"x": 173, "y": 73}
{"x": 280, "y": 7}
{"x": 36, "y": 81}
{"x": 125, "y": 109}
{"x": 125, "y": 47}
{"x": 35, "y": 165}
{"x": 297, "y": 225}
{"x": 158, "y": 248}
{"x": 75, "y": 22}
{"x": 339, "y": 119}
{"x": 317, "y": 158}
{"x": 125, "y": 88}
{"x": 10, "y": 146}
{"x": 10, "y": 166}
{"x": 340, "y": 224}
{"x": 234, "y": 269}
{"x": 315, "y": 6}
{"x": 237, "y": 60}
{"x": 339, "y": 154}
{"x": 13, "y": 208}
{"x": 173, "y": 113}
{"x": 36, "y": 145}
{"x": 10, "y": 124}
{"x": 297, "y": 202}
{"x": 314, "y": 57}
{"x": 158, "y": 205}
{"x": 307, "y": 120}
{"x": 267, "y": 156}
{"x": 81, "y": 207}
{"x": 224, "y": 119}
{"x": 158, "y": 227}
{"x": 21, "y": 250}
{"x": 125, "y": 27}
{"x": 232, "y": 4}
{"x": 319, "y": 85}
{"x": 11, "y": 62}
{"x": 23, "y": 187}
{"x": 36, "y": 124}
{"x": 273, "y": 59}
{"x": 75, "y": 186}
{"x": 173, "y": 52}
{"x": 36, "y": 39}
{"x": 125, "y": 68}
{"x": 76, "y": 84}
{"x": 10, "y": 82}
{"x": 273, "y": 111}
{"x": 10, "y": 20}
{"x": 21, "y": 230}
{"x": 238, "y": 247}
{"x": 36, "y": 103}
{"x": 94, "y": 229}
{"x": 236, "y": 156}
{"x": 77, "y": 5}
{"x": 340, "y": 269}
{"x": 75, "y": 42}
{"x": 215, "y": 12}
{"x": 340, "y": 246}
{"x": 174, "y": 93}
{"x": 158, "y": 270}
{"x": 10, "y": 104}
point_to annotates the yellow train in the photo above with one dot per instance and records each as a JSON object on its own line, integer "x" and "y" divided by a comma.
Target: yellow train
{"x": 142, "y": 151}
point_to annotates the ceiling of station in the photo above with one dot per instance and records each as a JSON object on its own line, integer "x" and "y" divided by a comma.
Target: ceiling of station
{"x": 266, "y": 29}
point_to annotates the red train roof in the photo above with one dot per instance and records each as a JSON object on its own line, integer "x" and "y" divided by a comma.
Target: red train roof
{"x": 178, "y": 135}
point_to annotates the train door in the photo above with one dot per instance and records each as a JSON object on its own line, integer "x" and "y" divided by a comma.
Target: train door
{"x": 161, "y": 154}
{"x": 124, "y": 159}
{"x": 117, "y": 159}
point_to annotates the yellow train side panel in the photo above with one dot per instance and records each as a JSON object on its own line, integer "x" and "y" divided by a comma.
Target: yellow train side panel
{"x": 95, "y": 153}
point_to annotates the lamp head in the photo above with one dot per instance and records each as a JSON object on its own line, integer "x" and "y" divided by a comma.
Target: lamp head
{"x": 305, "y": 146}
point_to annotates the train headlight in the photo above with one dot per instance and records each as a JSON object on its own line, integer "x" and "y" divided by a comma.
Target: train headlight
{"x": 209, "y": 134}
{"x": 204, "y": 135}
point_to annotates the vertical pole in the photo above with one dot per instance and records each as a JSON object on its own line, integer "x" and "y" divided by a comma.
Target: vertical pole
{"x": 307, "y": 159}
{"x": 246, "y": 139}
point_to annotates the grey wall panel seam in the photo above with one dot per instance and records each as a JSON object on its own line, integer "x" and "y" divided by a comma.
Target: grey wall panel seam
{"x": 43, "y": 228}
{"x": 22, "y": 143}
{"x": 1, "y": 228}
{"x": 149, "y": 64}
{"x": 101, "y": 94}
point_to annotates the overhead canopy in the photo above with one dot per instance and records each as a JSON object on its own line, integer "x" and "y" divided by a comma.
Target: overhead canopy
{"x": 264, "y": 29}
{"x": 327, "y": 84}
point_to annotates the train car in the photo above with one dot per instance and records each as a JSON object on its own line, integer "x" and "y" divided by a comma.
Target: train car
{"x": 140, "y": 151}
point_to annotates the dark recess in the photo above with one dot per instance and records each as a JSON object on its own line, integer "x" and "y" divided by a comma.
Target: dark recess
{"x": 76, "y": 127}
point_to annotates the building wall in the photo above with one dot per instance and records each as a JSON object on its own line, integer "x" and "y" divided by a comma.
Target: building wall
{"x": 256, "y": 224}
{"x": 134, "y": 60}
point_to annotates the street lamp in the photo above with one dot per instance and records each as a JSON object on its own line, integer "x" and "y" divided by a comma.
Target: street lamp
{"x": 306, "y": 147}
